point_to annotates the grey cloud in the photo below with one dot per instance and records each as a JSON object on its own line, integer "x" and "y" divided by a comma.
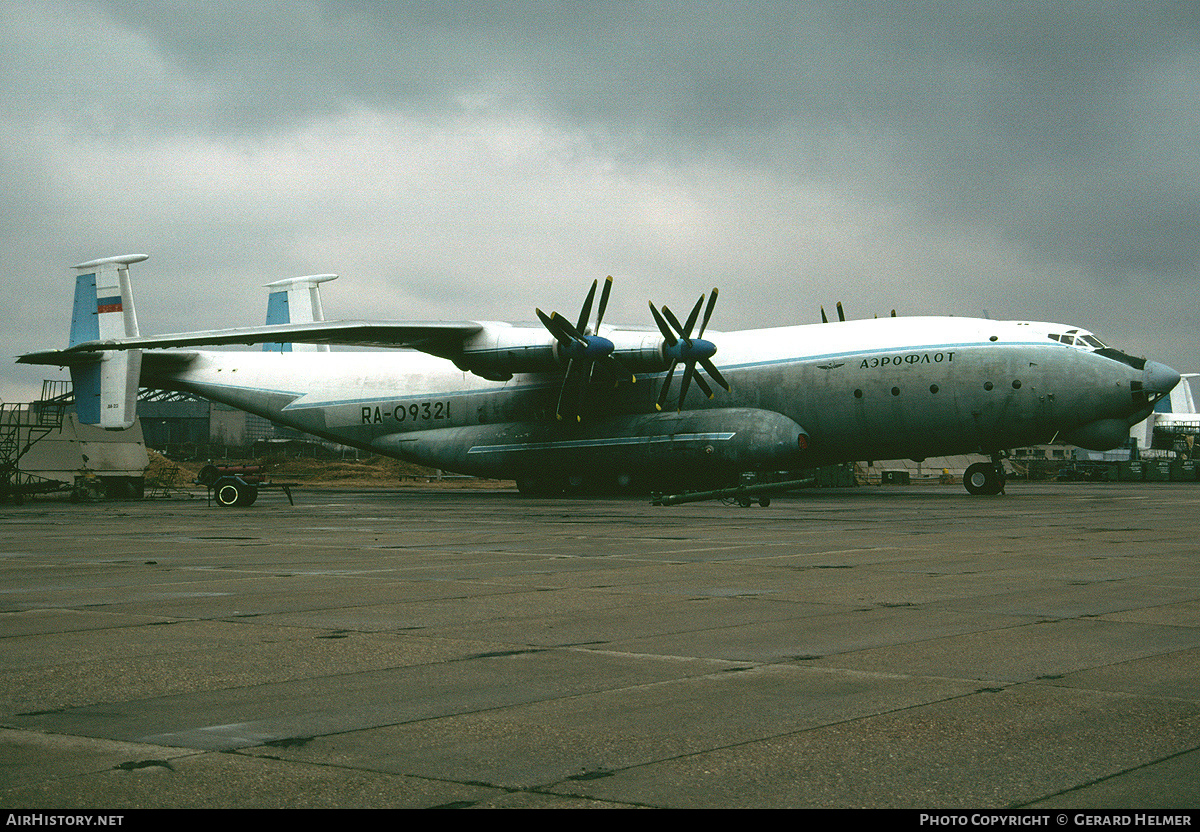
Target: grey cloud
{"x": 1061, "y": 139}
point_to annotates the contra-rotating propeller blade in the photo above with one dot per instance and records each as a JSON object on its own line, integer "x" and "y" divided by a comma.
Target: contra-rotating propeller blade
{"x": 841, "y": 314}
{"x": 583, "y": 351}
{"x": 610, "y": 364}
{"x": 687, "y": 350}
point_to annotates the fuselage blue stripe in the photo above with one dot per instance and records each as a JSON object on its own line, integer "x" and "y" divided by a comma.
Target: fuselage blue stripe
{"x": 552, "y": 380}
{"x": 601, "y": 443}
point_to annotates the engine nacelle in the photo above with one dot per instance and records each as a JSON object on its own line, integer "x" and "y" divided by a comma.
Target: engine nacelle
{"x": 501, "y": 351}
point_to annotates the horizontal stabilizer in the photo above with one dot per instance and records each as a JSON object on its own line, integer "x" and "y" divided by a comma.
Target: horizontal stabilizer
{"x": 60, "y": 358}
{"x": 89, "y": 369}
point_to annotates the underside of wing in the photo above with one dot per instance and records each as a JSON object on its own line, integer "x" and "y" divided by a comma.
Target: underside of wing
{"x": 438, "y": 338}
{"x": 67, "y": 358}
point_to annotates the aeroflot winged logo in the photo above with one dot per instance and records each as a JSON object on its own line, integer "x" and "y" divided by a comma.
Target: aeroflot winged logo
{"x": 112, "y": 304}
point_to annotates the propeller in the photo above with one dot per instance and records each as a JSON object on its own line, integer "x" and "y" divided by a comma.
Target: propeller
{"x": 582, "y": 351}
{"x": 841, "y": 314}
{"x": 680, "y": 346}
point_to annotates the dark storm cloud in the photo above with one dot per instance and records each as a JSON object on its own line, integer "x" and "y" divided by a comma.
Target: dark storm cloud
{"x": 1044, "y": 120}
{"x": 1034, "y": 159}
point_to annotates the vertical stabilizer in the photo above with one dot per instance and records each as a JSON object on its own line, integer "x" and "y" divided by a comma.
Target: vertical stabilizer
{"x": 1184, "y": 396}
{"x": 106, "y": 392}
{"x": 296, "y": 300}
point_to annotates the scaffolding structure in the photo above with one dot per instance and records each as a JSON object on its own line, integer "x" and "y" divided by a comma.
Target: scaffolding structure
{"x": 23, "y": 425}
{"x": 1180, "y": 437}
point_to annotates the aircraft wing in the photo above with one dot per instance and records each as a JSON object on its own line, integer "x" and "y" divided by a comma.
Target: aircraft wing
{"x": 437, "y": 337}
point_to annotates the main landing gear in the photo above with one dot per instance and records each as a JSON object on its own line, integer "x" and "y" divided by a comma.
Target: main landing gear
{"x": 985, "y": 477}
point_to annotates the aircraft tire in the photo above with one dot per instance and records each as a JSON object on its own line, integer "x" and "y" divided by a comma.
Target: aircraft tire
{"x": 983, "y": 478}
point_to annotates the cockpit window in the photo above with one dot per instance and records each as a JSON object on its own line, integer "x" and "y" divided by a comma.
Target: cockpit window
{"x": 1073, "y": 337}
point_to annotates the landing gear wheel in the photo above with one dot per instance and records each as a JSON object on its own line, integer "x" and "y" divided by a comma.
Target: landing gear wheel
{"x": 984, "y": 478}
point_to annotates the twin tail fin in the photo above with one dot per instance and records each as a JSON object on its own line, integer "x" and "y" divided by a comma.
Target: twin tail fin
{"x": 106, "y": 391}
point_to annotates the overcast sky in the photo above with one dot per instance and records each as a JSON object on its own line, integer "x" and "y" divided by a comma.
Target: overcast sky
{"x": 1034, "y": 161}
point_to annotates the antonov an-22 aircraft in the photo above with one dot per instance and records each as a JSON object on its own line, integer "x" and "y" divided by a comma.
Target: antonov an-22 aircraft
{"x": 572, "y": 405}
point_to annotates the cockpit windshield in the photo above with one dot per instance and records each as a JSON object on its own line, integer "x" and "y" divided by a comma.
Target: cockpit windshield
{"x": 1078, "y": 338}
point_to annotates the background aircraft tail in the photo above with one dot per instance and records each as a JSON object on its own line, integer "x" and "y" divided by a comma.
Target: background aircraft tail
{"x": 296, "y": 300}
{"x": 106, "y": 390}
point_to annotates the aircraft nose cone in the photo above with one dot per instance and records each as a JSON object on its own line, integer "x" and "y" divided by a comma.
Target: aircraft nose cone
{"x": 1158, "y": 378}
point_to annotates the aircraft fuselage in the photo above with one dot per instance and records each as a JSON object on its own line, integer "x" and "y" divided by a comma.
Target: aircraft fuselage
{"x": 800, "y": 396}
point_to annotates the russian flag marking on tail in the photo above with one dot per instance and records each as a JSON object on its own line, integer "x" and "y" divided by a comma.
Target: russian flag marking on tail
{"x": 106, "y": 393}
